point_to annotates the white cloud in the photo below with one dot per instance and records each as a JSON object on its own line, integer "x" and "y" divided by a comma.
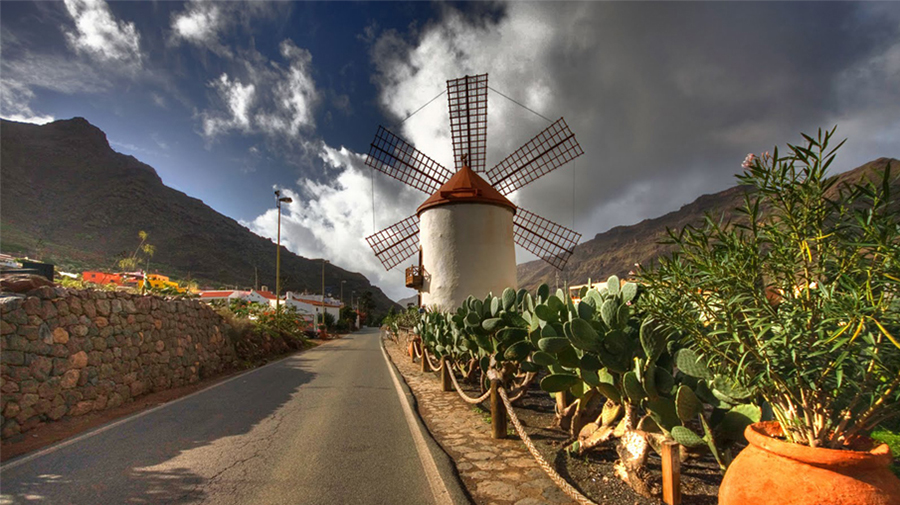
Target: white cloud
{"x": 159, "y": 100}
{"x": 269, "y": 99}
{"x": 99, "y": 34}
{"x": 203, "y": 23}
{"x": 15, "y": 104}
{"x": 200, "y": 25}
{"x": 159, "y": 141}
{"x": 332, "y": 219}
{"x": 133, "y": 149}
{"x": 665, "y": 113}
{"x": 294, "y": 94}
{"x": 28, "y": 118}
{"x": 238, "y": 99}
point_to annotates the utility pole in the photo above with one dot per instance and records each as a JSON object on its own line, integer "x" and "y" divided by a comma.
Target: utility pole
{"x": 342, "y": 293}
{"x": 278, "y": 201}
{"x": 323, "y": 289}
{"x": 256, "y": 277}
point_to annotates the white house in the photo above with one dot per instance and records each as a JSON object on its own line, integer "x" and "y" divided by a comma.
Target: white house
{"x": 250, "y": 296}
{"x": 313, "y": 304}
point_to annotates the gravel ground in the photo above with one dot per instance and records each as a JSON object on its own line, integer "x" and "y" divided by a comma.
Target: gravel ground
{"x": 592, "y": 474}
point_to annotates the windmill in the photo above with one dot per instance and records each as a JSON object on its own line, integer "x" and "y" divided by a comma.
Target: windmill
{"x": 466, "y": 231}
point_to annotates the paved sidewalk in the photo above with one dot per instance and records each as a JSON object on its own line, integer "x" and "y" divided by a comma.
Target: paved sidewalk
{"x": 500, "y": 472}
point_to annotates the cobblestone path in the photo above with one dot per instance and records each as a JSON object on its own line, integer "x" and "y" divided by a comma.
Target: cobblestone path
{"x": 500, "y": 472}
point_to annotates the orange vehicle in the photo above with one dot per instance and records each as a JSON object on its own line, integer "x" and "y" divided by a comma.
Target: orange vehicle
{"x": 161, "y": 281}
{"x": 101, "y": 278}
{"x": 129, "y": 279}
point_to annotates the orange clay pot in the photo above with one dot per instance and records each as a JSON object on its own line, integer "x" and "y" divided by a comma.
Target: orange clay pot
{"x": 770, "y": 471}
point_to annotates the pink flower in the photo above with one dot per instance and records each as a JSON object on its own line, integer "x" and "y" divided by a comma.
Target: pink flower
{"x": 748, "y": 160}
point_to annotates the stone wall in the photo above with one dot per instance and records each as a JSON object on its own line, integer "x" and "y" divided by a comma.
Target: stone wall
{"x": 68, "y": 352}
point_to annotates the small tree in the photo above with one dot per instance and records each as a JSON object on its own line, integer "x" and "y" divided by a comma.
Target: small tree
{"x": 366, "y": 307}
{"x": 133, "y": 262}
{"x": 326, "y": 318}
{"x": 348, "y": 315}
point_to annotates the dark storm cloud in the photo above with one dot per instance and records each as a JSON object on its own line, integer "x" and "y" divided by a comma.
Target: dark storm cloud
{"x": 667, "y": 98}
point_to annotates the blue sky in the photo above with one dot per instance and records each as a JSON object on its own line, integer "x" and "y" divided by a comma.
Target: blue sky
{"x": 228, "y": 100}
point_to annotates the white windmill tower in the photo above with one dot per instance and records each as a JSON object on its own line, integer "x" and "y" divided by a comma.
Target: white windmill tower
{"x": 468, "y": 227}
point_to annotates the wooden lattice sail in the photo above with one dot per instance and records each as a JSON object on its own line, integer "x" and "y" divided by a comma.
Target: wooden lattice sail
{"x": 547, "y": 151}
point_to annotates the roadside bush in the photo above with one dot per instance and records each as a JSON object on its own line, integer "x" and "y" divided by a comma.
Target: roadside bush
{"x": 259, "y": 331}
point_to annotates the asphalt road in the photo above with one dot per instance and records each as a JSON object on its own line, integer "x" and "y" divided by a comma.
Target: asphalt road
{"x": 322, "y": 427}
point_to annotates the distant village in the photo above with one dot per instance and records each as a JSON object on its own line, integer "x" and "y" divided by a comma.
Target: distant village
{"x": 308, "y": 306}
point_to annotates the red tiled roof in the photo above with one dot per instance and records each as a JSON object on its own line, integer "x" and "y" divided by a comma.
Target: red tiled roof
{"x": 466, "y": 187}
{"x": 215, "y": 294}
{"x": 314, "y": 302}
{"x": 267, "y": 294}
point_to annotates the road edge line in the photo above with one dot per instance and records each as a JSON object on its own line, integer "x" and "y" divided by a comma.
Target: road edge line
{"x": 426, "y": 446}
{"x": 100, "y": 429}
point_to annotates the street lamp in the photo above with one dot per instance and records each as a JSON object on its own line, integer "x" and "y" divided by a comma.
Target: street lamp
{"x": 342, "y": 292}
{"x": 278, "y": 201}
{"x": 323, "y": 287}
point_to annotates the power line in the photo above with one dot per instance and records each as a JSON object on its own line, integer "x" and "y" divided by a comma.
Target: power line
{"x": 521, "y": 105}
{"x": 422, "y": 107}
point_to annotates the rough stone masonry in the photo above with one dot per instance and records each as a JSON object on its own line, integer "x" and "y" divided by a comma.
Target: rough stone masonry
{"x": 67, "y": 352}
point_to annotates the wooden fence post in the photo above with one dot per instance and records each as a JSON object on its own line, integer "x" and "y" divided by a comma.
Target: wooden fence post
{"x": 446, "y": 385}
{"x": 498, "y": 412}
{"x": 671, "y": 473}
{"x": 425, "y": 367}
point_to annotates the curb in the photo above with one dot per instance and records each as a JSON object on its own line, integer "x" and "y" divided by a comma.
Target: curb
{"x": 446, "y": 467}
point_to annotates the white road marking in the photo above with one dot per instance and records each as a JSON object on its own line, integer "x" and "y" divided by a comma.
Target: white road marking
{"x": 437, "y": 484}
{"x": 65, "y": 443}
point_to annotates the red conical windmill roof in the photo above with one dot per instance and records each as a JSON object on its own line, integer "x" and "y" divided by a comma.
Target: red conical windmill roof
{"x": 466, "y": 187}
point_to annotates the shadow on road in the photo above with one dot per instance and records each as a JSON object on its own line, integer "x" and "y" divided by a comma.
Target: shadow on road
{"x": 154, "y": 458}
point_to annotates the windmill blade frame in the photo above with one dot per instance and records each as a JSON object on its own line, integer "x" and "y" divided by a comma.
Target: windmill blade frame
{"x": 394, "y": 244}
{"x": 391, "y": 155}
{"x": 467, "y": 99}
{"x": 549, "y": 241}
{"x": 547, "y": 151}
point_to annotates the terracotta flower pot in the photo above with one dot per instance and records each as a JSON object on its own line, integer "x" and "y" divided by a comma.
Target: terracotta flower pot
{"x": 771, "y": 471}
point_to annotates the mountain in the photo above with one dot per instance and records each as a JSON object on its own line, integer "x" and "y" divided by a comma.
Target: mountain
{"x": 617, "y": 250}
{"x": 414, "y": 299}
{"x": 66, "y": 196}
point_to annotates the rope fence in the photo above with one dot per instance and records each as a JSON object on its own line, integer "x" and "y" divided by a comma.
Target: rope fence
{"x": 466, "y": 398}
{"x": 500, "y": 414}
{"x": 434, "y": 368}
{"x": 557, "y": 479}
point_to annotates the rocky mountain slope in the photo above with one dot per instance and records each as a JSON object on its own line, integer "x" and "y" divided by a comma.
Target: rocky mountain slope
{"x": 618, "y": 249}
{"x": 66, "y": 195}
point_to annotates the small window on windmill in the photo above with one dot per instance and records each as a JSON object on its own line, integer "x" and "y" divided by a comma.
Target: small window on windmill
{"x": 414, "y": 278}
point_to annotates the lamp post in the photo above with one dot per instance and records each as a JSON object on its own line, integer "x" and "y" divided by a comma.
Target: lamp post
{"x": 342, "y": 292}
{"x": 323, "y": 290}
{"x": 278, "y": 201}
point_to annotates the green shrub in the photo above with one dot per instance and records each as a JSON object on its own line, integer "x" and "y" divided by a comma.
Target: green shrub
{"x": 797, "y": 300}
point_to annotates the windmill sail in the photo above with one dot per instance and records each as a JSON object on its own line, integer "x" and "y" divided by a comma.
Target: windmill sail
{"x": 547, "y": 240}
{"x": 549, "y": 150}
{"x": 397, "y": 242}
{"x": 468, "y": 120}
{"x": 395, "y": 157}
